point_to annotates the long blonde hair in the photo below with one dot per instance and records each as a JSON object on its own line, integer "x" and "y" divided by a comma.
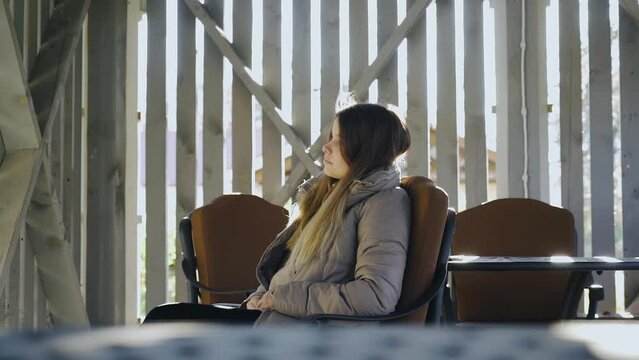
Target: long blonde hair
{"x": 372, "y": 137}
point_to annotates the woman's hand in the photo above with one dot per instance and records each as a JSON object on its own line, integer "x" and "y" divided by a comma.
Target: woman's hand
{"x": 266, "y": 302}
{"x": 253, "y": 304}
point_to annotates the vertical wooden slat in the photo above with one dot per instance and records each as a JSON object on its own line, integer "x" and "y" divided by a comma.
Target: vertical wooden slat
{"x": 78, "y": 230}
{"x": 536, "y": 100}
{"x": 41, "y": 316}
{"x": 18, "y": 21}
{"x": 272, "y": 164}
{"x": 418, "y": 157}
{"x": 185, "y": 131}
{"x": 329, "y": 24}
{"x": 27, "y": 283}
{"x": 30, "y": 43}
{"x": 242, "y": 118}
{"x": 44, "y": 7}
{"x": 13, "y": 295}
{"x": 301, "y": 65}
{"x": 3, "y": 304}
{"x": 601, "y": 151}
{"x": 387, "y": 79}
{"x": 74, "y": 162}
{"x": 447, "y": 169}
{"x": 475, "y": 125}
{"x": 130, "y": 138}
{"x": 572, "y": 188}
{"x": 69, "y": 151}
{"x": 213, "y": 132}
{"x": 358, "y": 40}
{"x": 629, "y": 83}
{"x": 56, "y": 156}
{"x": 156, "y": 251}
{"x": 510, "y": 131}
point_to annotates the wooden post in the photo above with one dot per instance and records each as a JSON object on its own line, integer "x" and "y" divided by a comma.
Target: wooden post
{"x": 243, "y": 174}
{"x": 106, "y": 291}
{"x": 418, "y": 157}
{"x": 213, "y": 92}
{"x": 185, "y": 133}
{"x": 272, "y": 162}
{"x": 387, "y": 80}
{"x": 629, "y": 79}
{"x": 156, "y": 251}
{"x": 572, "y": 188}
{"x": 447, "y": 157}
{"x": 476, "y": 177}
{"x": 601, "y": 151}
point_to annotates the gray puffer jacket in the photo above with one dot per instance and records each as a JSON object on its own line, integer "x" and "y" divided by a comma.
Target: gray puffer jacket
{"x": 360, "y": 274}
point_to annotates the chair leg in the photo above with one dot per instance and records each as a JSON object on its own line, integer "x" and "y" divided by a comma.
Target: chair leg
{"x": 595, "y": 294}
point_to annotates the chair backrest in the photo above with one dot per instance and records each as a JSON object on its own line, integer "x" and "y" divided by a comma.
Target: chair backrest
{"x": 429, "y": 205}
{"x": 512, "y": 227}
{"x": 229, "y": 236}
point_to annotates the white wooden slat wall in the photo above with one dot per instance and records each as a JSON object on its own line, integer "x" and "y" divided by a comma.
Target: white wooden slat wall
{"x": 272, "y": 162}
{"x": 447, "y": 154}
{"x": 418, "y": 157}
{"x": 242, "y": 108}
{"x": 185, "y": 143}
{"x": 156, "y": 126}
{"x": 601, "y": 151}
{"x": 571, "y": 129}
{"x": 213, "y": 124}
{"x": 629, "y": 93}
{"x": 475, "y": 163}
{"x": 511, "y": 149}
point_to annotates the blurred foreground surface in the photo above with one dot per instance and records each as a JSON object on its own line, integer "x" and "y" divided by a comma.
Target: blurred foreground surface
{"x": 570, "y": 340}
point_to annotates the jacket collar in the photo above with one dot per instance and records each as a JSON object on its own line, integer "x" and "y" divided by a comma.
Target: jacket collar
{"x": 375, "y": 181}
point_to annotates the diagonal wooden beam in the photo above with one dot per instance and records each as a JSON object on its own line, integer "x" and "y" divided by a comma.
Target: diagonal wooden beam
{"x": 45, "y": 226}
{"x": 268, "y": 105}
{"x": 47, "y": 79}
{"x": 632, "y": 8}
{"x": 413, "y": 16}
{"x": 17, "y": 124}
{"x": 54, "y": 59}
{"x": 21, "y": 134}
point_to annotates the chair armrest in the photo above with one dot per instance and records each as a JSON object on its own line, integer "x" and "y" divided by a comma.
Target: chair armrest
{"x": 227, "y": 306}
{"x": 199, "y": 285}
{"x": 426, "y": 298}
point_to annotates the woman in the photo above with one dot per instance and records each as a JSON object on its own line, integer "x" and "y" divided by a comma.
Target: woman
{"x": 346, "y": 252}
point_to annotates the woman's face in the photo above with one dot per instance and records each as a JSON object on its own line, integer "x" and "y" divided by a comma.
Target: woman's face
{"x": 335, "y": 165}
